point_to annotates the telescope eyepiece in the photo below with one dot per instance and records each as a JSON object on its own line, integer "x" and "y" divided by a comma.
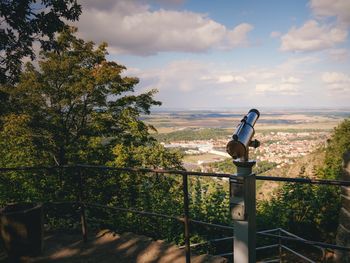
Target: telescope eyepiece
{"x": 255, "y": 111}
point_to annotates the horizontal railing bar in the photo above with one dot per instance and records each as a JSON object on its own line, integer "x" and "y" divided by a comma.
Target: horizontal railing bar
{"x": 181, "y": 172}
{"x": 270, "y": 261}
{"x": 264, "y": 232}
{"x": 157, "y": 214}
{"x": 34, "y": 168}
{"x": 290, "y": 234}
{"x": 267, "y": 247}
{"x": 303, "y": 180}
{"x": 297, "y": 254}
{"x": 209, "y": 241}
{"x": 211, "y": 224}
{"x": 309, "y": 242}
{"x": 146, "y": 213}
{"x": 297, "y": 237}
{"x": 161, "y": 171}
{"x": 221, "y": 239}
{"x": 268, "y": 231}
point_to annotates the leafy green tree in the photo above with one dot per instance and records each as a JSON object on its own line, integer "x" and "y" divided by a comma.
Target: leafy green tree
{"x": 152, "y": 155}
{"x": 77, "y": 105}
{"x": 305, "y": 210}
{"x": 337, "y": 146}
{"x": 225, "y": 166}
{"x": 17, "y": 143}
{"x": 26, "y": 21}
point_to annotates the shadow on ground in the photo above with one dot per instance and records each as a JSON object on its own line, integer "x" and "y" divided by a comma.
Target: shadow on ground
{"x": 108, "y": 246}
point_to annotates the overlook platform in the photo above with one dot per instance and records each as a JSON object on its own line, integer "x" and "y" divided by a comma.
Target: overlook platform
{"x": 107, "y": 246}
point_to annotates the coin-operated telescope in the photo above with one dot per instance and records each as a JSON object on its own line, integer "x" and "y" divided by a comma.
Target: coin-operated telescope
{"x": 241, "y": 140}
{"x": 242, "y": 189}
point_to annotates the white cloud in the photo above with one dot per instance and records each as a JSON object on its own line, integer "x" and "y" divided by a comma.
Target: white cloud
{"x": 231, "y": 78}
{"x": 238, "y": 36}
{"x": 337, "y": 8}
{"x": 340, "y": 54}
{"x": 337, "y": 81}
{"x": 279, "y": 88}
{"x": 291, "y": 80}
{"x": 335, "y": 77}
{"x": 312, "y": 36}
{"x": 132, "y": 27}
{"x": 239, "y": 79}
{"x": 261, "y": 88}
{"x": 225, "y": 79}
{"x": 190, "y": 81}
{"x": 183, "y": 75}
{"x": 294, "y": 63}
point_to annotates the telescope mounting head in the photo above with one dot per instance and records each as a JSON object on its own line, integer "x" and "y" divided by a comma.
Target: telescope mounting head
{"x": 238, "y": 146}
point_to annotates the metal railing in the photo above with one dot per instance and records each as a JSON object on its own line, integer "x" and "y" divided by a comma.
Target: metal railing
{"x": 280, "y": 234}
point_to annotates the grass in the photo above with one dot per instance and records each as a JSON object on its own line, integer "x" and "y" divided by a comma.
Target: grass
{"x": 207, "y": 157}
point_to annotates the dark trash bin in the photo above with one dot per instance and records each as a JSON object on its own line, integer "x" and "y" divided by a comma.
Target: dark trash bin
{"x": 21, "y": 229}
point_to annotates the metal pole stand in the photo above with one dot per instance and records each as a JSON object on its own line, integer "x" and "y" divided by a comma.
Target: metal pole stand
{"x": 243, "y": 212}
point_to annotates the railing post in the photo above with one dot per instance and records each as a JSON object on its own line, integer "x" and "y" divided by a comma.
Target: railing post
{"x": 186, "y": 217}
{"x": 279, "y": 245}
{"x": 82, "y": 205}
{"x": 243, "y": 211}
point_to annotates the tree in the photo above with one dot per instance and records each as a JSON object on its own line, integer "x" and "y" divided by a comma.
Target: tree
{"x": 17, "y": 144}
{"x": 305, "y": 210}
{"x": 337, "y": 146}
{"x": 26, "y": 21}
{"x": 152, "y": 155}
{"x": 77, "y": 105}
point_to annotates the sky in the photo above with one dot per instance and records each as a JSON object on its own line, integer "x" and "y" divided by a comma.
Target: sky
{"x": 204, "y": 54}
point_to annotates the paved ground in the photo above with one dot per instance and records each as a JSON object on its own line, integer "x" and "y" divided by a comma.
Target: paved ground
{"x": 108, "y": 247}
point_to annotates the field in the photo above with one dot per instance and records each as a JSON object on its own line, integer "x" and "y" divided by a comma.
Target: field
{"x": 205, "y": 157}
{"x": 285, "y": 135}
{"x": 170, "y": 121}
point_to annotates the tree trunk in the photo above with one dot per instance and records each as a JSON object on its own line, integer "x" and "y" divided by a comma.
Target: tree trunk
{"x": 343, "y": 233}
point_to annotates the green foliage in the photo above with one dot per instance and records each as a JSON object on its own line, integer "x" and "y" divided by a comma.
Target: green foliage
{"x": 209, "y": 202}
{"x": 305, "y": 210}
{"x": 153, "y": 155}
{"x": 310, "y": 211}
{"x": 26, "y": 21}
{"x": 263, "y": 166}
{"x": 77, "y": 106}
{"x": 337, "y": 146}
{"x": 17, "y": 144}
{"x": 139, "y": 191}
{"x": 225, "y": 166}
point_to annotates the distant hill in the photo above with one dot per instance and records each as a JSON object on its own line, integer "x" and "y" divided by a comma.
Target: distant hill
{"x": 306, "y": 166}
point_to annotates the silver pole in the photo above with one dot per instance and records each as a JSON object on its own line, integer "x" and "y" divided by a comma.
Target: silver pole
{"x": 243, "y": 211}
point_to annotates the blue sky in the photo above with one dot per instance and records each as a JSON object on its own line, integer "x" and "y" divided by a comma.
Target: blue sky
{"x": 227, "y": 54}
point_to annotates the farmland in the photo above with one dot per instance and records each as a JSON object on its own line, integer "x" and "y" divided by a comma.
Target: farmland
{"x": 285, "y": 135}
